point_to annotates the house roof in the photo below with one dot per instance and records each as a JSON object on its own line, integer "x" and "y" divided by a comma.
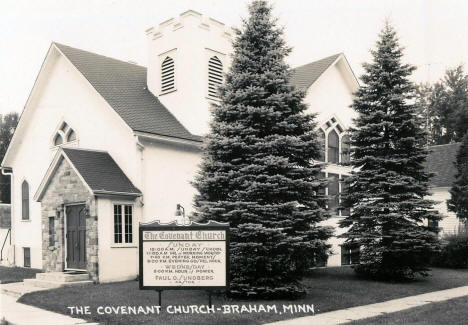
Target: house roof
{"x": 123, "y": 86}
{"x": 440, "y": 161}
{"x": 97, "y": 169}
{"x": 304, "y": 76}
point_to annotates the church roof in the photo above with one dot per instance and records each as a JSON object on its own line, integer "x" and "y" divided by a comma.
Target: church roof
{"x": 123, "y": 86}
{"x": 97, "y": 169}
{"x": 304, "y": 76}
{"x": 441, "y": 162}
{"x": 100, "y": 171}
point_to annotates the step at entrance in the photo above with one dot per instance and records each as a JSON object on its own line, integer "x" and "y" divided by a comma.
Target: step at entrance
{"x": 44, "y": 281}
{"x": 62, "y": 276}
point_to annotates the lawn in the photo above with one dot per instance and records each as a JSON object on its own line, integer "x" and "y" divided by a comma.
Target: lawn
{"x": 16, "y": 274}
{"x": 451, "y": 312}
{"x": 328, "y": 289}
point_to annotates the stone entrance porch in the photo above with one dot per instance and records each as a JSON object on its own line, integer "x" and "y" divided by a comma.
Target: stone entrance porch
{"x": 75, "y": 182}
{"x": 65, "y": 189}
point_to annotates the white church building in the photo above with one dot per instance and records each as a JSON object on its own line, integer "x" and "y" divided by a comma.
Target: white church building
{"x": 104, "y": 144}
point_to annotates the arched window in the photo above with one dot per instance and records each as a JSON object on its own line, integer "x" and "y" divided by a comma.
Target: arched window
{"x": 215, "y": 76}
{"x": 333, "y": 147}
{"x": 64, "y": 135}
{"x": 58, "y": 140}
{"x": 71, "y": 136}
{"x": 64, "y": 127}
{"x": 167, "y": 75}
{"x": 333, "y": 192}
{"x": 25, "y": 201}
{"x": 345, "y": 148}
{"x": 321, "y": 141}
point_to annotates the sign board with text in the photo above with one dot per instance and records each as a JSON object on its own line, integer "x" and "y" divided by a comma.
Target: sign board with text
{"x": 184, "y": 257}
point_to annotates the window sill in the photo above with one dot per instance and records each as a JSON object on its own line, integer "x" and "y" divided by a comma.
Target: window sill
{"x": 167, "y": 92}
{"x": 25, "y": 220}
{"x": 73, "y": 143}
{"x": 124, "y": 246}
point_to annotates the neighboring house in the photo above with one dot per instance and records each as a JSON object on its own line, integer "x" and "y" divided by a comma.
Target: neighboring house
{"x": 104, "y": 144}
{"x": 441, "y": 163}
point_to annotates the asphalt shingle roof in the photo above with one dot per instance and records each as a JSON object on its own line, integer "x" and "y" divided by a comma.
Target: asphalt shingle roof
{"x": 304, "y": 76}
{"x": 440, "y": 161}
{"x": 100, "y": 171}
{"x": 123, "y": 86}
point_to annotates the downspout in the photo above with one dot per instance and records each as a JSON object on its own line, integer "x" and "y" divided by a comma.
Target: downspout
{"x": 8, "y": 171}
{"x": 141, "y": 148}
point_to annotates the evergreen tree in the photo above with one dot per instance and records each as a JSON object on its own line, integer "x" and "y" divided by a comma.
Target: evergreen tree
{"x": 8, "y": 125}
{"x": 457, "y": 88}
{"x": 257, "y": 171}
{"x": 422, "y": 95}
{"x": 458, "y": 202}
{"x": 386, "y": 193}
{"x": 444, "y": 107}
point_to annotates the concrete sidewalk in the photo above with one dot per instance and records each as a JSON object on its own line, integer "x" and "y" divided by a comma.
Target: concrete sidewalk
{"x": 20, "y": 314}
{"x": 355, "y": 313}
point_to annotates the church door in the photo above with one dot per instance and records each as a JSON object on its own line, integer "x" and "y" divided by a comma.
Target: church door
{"x": 76, "y": 237}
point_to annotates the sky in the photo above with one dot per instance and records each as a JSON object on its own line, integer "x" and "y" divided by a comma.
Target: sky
{"x": 433, "y": 32}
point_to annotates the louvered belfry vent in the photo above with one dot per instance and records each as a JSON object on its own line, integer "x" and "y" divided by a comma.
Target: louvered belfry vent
{"x": 167, "y": 75}
{"x": 215, "y": 76}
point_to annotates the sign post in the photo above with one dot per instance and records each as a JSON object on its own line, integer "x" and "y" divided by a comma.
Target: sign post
{"x": 194, "y": 256}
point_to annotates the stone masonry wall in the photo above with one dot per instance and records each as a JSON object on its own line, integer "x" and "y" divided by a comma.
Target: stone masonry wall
{"x": 66, "y": 188}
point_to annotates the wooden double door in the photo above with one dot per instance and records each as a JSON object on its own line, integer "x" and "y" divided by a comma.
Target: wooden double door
{"x": 76, "y": 236}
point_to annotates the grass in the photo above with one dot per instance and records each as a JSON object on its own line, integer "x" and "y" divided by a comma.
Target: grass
{"x": 16, "y": 274}
{"x": 452, "y": 312}
{"x": 328, "y": 289}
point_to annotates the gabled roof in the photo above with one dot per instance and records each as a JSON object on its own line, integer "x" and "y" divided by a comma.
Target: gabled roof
{"x": 123, "y": 86}
{"x": 98, "y": 171}
{"x": 440, "y": 161}
{"x": 304, "y": 76}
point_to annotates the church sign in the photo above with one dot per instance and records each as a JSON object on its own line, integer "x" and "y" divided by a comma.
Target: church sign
{"x": 184, "y": 257}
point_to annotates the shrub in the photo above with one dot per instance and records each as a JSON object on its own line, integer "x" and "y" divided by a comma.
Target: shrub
{"x": 454, "y": 252}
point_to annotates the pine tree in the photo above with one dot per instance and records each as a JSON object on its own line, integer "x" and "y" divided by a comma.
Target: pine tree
{"x": 386, "y": 192}
{"x": 458, "y": 202}
{"x": 457, "y": 88}
{"x": 444, "y": 106}
{"x": 257, "y": 171}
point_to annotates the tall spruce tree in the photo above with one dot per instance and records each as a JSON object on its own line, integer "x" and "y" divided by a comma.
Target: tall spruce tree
{"x": 258, "y": 172}
{"x": 386, "y": 192}
{"x": 458, "y": 202}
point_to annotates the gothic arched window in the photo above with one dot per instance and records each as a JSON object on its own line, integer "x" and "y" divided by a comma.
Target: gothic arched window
{"x": 333, "y": 147}
{"x": 345, "y": 148}
{"x": 58, "y": 140}
{"x": 25, "y": 200}
{"x": 64, "y": 135}
{"x": 215, "y": 76}
{"x": 321, "y": 141}
{"x": 71, "y": 136}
